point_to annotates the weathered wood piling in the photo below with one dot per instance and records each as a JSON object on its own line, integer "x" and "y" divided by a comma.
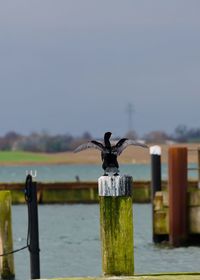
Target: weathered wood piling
{"x": 155, "y": 152}
{"x": 6, "y": 241}
{"x": 116, "y": 225}
{"x": 178, "y": 221}
{"x": 156, "y": 186}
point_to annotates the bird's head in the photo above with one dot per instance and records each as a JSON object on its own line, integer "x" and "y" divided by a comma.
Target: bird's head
{"x": 107, "y": 135}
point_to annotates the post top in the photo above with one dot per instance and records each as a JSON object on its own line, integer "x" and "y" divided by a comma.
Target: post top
{"x": 115, "y": 185}
{"x": 107, "y": 177}
{"x": 155, "y": 150}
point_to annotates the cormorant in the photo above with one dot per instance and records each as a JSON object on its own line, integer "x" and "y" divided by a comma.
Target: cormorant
{"x": 109, "y": 153}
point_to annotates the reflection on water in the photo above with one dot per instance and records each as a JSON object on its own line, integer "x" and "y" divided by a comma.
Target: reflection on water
{"x": 70, "y": 245}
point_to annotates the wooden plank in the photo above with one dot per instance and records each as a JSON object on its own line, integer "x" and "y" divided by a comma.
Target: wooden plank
{"x": 194, "y": 198}
{"x": 158, "y": 201}
{"x": 161, "y": 222}
{"x": 194, "y": 219}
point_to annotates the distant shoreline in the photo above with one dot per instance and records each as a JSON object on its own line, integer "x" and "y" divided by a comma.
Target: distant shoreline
{"x": 130, "y": 155}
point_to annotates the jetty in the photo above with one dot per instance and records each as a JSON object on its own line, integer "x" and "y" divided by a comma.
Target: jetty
{"x": 82, "y": 192}
{"x": 73, "y": 192}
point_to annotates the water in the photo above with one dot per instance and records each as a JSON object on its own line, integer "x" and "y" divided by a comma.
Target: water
{"x": 69, "y": 234}
{"x": 70, "y": 245}
{"x": 85, "y": 172}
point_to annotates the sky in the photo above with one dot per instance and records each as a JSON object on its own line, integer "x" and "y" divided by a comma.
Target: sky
{"x": 71, "y": 66}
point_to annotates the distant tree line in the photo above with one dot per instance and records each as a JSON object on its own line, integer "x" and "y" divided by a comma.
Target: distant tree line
{"x": 182, "y": 134}
{"x": 44, "y": 142}
{"x": 41, "y": 142}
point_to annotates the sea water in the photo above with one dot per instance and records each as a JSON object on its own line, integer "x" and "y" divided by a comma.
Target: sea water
{"x": 70, "y": 243}
{"x": 69, "y": 234}
{"x": 86, "y": 172}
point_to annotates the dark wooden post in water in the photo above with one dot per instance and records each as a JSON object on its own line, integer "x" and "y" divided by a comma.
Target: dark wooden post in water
{"x": 156, "y": 185}
{"x": 31, "y": 195}
{"x": 116, "y": 218}
{"x": 155, "y": 152}
{"x": 177, "y": 166}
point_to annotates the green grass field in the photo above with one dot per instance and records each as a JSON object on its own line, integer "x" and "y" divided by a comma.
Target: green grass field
{"x": 90, "y": 156}
{"x": 22, "y": 157}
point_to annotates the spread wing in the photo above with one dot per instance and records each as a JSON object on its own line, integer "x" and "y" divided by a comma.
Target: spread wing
{"x": 91, "y": 144}
{"x": 123, "y": 143}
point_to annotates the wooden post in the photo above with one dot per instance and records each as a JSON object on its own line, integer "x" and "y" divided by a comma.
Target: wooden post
{"x": 116, "y": 222}
{"x": 155, "y": 152}
{"x": 177, "y": 166}
{"x": 6, "y": 242}
{"x": 156, "y": 185}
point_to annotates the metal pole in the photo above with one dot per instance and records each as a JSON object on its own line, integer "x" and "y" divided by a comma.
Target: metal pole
{"x": 31, "y": 189}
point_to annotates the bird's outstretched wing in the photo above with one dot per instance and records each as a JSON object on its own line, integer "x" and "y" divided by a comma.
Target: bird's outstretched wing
{"x": 123, "y": 143}
{"x": 120, "y": 142}
{"x": 91, "y": 144}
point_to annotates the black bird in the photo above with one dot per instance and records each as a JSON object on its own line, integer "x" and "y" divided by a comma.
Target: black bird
{"x": 109, "y": 153}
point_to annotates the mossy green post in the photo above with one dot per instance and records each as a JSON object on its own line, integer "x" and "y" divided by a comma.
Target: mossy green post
{"x": 116, "y": 223}
{"x": 6, "y": 241}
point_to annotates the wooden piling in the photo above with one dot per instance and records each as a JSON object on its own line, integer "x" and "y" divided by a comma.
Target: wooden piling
{"x": 6, "y": 241}
{"x": 155, "y": 152}
{"x": 177, "y": 166}
{"x": 116, "y": 222}
{"x": 156, "y": 186}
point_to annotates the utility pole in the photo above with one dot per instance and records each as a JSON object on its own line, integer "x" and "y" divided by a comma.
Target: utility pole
{"x": 130, "y": 110}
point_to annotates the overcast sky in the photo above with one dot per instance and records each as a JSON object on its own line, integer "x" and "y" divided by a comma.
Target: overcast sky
{"x": 70, "y": 66}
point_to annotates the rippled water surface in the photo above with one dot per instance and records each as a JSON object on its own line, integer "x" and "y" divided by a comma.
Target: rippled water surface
{"x": 84, "y": 172}
{"x": 70, "y": 245}
{"x": 69, "y": 234}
